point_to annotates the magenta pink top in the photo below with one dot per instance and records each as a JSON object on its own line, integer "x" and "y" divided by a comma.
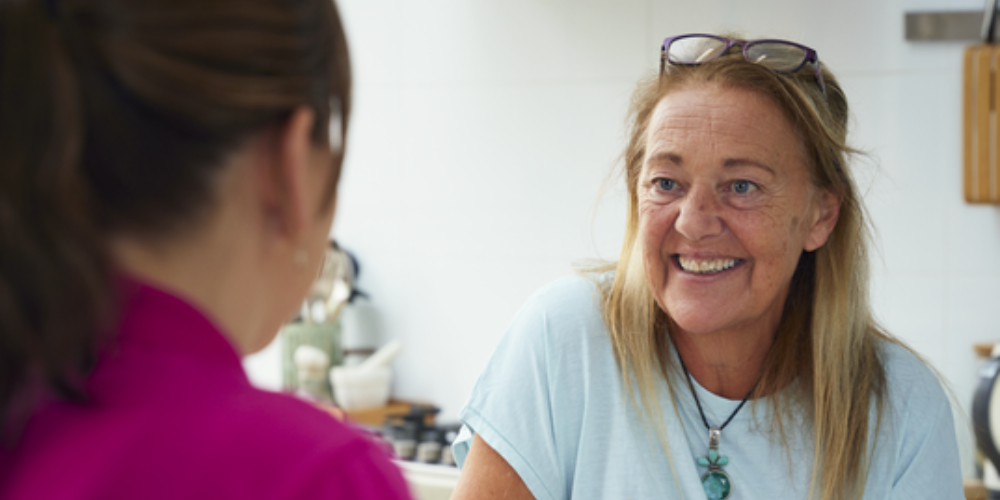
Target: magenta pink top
{"x": 172, "y": 416}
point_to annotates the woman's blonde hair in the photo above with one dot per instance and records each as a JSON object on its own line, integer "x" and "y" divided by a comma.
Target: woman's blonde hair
{"x": 827, "y": 341}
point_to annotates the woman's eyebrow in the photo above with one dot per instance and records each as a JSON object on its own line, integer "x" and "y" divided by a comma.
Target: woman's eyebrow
{"x": 746, "y": 162}
{"x": 666, "y": 157}
{"x": 730, "y": 163}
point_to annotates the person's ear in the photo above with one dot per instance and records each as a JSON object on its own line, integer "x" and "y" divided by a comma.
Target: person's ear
{"x": 827, "y": 211}
{"x": 284, "y": 185}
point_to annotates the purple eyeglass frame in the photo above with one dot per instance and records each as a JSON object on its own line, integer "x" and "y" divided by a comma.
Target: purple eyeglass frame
{"x": 810, "y": 54}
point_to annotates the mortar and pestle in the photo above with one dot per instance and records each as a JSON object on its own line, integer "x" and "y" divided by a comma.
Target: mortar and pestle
{"x": 365, "y": 385}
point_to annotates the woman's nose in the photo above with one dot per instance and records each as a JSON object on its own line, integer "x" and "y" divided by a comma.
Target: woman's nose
{"x": 699, "y": 215}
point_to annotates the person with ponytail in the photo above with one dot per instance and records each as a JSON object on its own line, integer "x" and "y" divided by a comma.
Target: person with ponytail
{"x": 731, "y": 352}
{"x": 168, "y": 178}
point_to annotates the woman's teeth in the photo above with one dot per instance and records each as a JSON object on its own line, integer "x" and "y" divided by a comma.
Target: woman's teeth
{"x": 706, "y": 266}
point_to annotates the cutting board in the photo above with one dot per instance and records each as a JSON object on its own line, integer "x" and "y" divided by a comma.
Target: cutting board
{"x": 980, "y": 128}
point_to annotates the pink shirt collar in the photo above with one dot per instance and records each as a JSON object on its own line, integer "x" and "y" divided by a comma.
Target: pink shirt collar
{"x": 157, "y": 320}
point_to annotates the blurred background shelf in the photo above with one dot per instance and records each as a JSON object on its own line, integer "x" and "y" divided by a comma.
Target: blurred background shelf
{"x": 375, "y": 417}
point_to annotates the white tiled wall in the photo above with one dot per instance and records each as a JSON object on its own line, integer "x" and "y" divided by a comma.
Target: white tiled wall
{"x": 483, "y": 133}
{"x": 484, "y": 129}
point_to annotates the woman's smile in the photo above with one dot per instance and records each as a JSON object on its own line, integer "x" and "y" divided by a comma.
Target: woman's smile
{"x": 712, "y": 266}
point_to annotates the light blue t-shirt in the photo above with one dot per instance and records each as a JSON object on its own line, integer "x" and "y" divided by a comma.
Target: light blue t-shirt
{"x": 551, "y": 402}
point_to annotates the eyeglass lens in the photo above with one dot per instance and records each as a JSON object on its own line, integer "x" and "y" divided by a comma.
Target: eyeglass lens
{"x": 777, "y": 56}
{"x": 695, "y": 50}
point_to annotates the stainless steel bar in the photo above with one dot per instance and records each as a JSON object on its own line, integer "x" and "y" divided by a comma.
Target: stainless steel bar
{"x": 945, "y": 25}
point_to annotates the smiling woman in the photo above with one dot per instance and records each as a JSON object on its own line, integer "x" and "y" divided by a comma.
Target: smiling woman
{"x": 730, "y": 352}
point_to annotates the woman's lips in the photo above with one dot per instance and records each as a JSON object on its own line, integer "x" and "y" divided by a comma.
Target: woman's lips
{"x": 706, "y": 266}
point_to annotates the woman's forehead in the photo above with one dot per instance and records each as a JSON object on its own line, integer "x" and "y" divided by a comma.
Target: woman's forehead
{"x": 721, "y": 124}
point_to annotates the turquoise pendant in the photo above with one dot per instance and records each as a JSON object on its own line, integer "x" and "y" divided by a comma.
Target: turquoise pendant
{"x": 717, "y": 484}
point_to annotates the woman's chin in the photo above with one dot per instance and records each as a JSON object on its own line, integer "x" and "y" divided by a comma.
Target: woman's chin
{"x": 700, "y": 316}
{"x": 698, "y": 325}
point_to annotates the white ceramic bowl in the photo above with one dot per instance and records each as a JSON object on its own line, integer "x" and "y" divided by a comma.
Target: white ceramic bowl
{"x": 355, "y": 389}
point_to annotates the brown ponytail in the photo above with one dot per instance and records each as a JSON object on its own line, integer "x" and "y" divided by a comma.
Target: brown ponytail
{"x": 115, "y": 116}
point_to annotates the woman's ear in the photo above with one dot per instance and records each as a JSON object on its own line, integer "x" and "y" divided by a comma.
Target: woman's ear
{"x": 827, "y": 212}
{"x": 284, "y": 175}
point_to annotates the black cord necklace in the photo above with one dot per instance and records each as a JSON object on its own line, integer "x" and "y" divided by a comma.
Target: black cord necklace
{"x": 717, "y": 484}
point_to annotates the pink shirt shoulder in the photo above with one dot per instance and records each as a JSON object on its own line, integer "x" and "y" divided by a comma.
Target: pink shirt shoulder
{"x": 172, "y": 415}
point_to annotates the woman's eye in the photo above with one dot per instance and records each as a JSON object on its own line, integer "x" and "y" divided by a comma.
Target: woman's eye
{"x": 666, "y": 184}
{"x": 743, "y": 187}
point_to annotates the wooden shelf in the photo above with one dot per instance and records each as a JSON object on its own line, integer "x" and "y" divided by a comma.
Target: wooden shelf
{"x": 375, "y": 417}
{"x": 983, "y": 350}
{"x": 974, "y": 490}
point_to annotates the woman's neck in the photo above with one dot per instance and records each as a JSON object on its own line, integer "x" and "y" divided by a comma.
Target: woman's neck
{"x": 215, "y": 267}
{"x": 201, "y": 278}
{"x": 726, "y": 364}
